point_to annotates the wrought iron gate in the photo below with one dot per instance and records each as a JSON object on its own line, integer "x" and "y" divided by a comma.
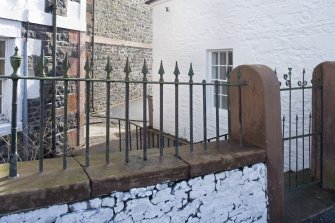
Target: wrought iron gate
{"x": 302, "y": 160}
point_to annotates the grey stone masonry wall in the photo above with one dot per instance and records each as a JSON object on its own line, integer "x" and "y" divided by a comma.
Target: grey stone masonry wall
{"x": 124, "y": 19}
{"x": 64, "y": 45}
{"x": 118, "y": 56}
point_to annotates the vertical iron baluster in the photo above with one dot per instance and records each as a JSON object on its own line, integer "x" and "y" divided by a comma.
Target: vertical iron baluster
{"x": 283, "y": 133}
{"x": 108, "y": 69}
{"x": 228, "y": 103}
{"x": 303, "y": 84}
{"x": 321, "y": 127}
{"x": 41, "y": 130}
{"x": 176, "y": 73}
{"x": 240, "y": 106}
{"x": 127, "y": 70}
{"x": 15, "y": 61}
{"x": 153, "y": 139}
{"x": 191, "y": 74}
{"x": 145, "y": 130}
{"x": 130, "y": 142}
{"x": 87, "y": 106}
{"x": 161, "y": 104}
{"x": 288, "y": 83}
{"x": 296, "y": 151}
{"x": 309, "y": 141}
{"x": 141, "y": 146}
{"x": 204, "y": 108}
{"x": 217, "y": 98}
{"x": 136, "y": 129}
{"x": 66, "y": 67}
{"x": 119, "y": 121}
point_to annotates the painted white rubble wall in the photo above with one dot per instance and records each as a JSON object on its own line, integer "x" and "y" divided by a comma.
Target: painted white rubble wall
{"x": 231, "y": 196}
{"x": 278, "y": 33}
{"x": 33, "y": 10}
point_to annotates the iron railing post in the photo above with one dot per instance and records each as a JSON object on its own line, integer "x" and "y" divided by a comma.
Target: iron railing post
{"x": 176, "y": 73}
{"x": 15, "y": 61}
{"x": 217, "y": 113}
{"x": 191, "y": 74}
{"x": 66, "y": 67}
{"x": 127, "y": 71}
{"x": 145, "y": 132}
{"x": 228, "y": 104}
{"x": 108, "y": 69}
{"x": 161, "y": 108}
{"x": 41, "y": 130}
{"x": 204, "y": 107}
{"x": 87, "y": 105}
{"x": 54, "y": 72}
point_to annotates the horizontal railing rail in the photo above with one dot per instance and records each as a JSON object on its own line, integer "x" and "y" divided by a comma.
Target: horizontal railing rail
{"x": 145, "y": 131}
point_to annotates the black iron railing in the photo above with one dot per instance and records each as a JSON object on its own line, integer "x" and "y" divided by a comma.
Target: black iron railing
{"x": 297, "y": 131}
{"x": 145, "y": 132}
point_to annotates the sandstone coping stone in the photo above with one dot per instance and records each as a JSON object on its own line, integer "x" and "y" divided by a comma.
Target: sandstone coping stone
{"x": 31, "y": 189}
{"x": 119, "y": 176}
{"x": 227, "y": 156}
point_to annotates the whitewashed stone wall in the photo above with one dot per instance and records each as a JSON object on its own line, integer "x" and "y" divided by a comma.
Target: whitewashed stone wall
{"x": 278, "y": 33}
{"x": 232, "y": 196}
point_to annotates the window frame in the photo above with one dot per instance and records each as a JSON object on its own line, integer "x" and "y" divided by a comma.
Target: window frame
{"x": 3, "y": 73}
{"x": 210, "y": 79}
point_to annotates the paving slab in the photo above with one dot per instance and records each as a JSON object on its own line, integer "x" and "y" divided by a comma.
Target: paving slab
{"x": 304, "y": 203}
{"x": 33, "y": 190}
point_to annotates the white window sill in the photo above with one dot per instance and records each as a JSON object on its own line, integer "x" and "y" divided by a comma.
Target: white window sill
{"x": 5, "y": 127}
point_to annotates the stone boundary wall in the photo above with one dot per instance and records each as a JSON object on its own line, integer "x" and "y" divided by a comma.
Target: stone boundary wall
{"x": 238, "y": 195}
{"x": 121, "y": 29}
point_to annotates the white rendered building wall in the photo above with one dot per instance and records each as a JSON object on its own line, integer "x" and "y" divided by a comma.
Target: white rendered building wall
{"x": 33, "y": 10}
{"x": 280, "y": 34}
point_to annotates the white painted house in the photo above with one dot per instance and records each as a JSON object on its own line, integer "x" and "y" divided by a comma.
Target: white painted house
{"x": 12, "y": 16}
{"x": 216, "y": 34}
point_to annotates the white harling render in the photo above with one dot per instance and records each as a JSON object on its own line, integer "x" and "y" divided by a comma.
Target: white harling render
{"x": 277, "y": 33}
{"x": 237, "y": 195}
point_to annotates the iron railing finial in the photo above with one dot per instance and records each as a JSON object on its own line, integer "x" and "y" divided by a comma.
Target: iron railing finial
{"x": 108, "y": 69}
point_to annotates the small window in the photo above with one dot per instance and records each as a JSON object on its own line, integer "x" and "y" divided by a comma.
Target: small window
{"x": 2, "y": 71}
{"x": 221, "y": 62}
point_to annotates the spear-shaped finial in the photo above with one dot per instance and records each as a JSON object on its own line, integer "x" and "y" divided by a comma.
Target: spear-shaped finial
{"x": 176, "y": 70}
{"x": 41, "y": 64}
{"x": 127, "y": 69}
{"x": 87, "y": 68}
{"x": 161, "y": 71}
{"x": 145, "y": 70}
{"x": 191, "y": 73}
{"x": 108, "y": 68}
{"x": 66, "y": 66}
